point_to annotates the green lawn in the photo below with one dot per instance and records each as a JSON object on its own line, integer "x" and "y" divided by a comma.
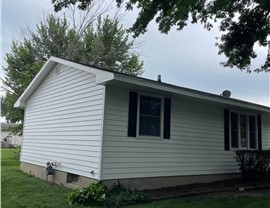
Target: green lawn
{"x": 19, "y": 190}
{"x": 194, "y": 202}
{"x": 22, "y": 191}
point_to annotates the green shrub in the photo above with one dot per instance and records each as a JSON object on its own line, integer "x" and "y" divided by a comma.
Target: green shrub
{"x": 254, "y": 164}
{"x": 119, "y": 196}
{"x": 97, "y": 195}
{"x": 18, "y": 152}
{"x": 93, "y": 196}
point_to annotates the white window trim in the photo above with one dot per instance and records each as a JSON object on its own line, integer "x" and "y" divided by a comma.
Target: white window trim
{"x": 161, "y": 117}
{"x": 239, "y": 131}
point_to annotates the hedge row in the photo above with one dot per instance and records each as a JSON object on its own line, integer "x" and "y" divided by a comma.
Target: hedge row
{"x": 254, "y": 165}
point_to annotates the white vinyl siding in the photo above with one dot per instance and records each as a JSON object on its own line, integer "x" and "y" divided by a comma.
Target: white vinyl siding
{"x": 196, "y": 145}
{"x": 265, "y": 132}
{"x": 63, "y": 122}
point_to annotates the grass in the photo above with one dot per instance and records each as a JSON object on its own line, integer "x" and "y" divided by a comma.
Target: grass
{"x": 20, "y": 190}
{"x": 195, "y": 202}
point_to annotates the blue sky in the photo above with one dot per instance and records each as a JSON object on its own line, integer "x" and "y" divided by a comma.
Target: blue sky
{"x": 186, "y": 58}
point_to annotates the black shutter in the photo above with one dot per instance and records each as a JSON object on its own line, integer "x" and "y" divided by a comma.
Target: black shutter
{"x": 226, "y": 129}
{"x": 167, "y": 118}
{"x": 259, "y": 120}
{"x": 132, "y": 114}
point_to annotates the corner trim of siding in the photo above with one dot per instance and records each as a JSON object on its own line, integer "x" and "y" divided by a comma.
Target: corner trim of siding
{"x": 102, "y": 135}
{"x": 21, "y": 152}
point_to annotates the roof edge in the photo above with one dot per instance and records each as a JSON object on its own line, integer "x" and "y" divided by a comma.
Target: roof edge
{"x": 102, "y": 76}
{"x": 190, "y": 92}
{"x": 21, "y": 102}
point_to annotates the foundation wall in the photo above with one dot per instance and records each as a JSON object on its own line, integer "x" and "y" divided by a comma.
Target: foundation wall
{"x": 162, "y": 182}
{"x": 59, "y": 177}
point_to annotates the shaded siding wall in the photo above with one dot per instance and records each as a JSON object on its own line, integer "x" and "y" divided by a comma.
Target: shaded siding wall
{"x": 265, "y": 132}
{"x": 63, "y": 120}
{"x": 196, "y": 146}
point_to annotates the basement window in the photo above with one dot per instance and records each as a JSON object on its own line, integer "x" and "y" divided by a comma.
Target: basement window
{"x": 72, "y": 178}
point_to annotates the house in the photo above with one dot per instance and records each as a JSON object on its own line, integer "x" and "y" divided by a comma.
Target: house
{"x": 91, "y": 125}
{"x": 8, "y": 136}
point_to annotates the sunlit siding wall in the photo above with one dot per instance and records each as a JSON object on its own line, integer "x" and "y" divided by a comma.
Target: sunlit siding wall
{"x": 63, "y": 120}
{"x": 196, "y": 145}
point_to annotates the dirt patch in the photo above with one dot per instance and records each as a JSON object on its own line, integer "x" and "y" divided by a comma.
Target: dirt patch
{"x": 227, "y": 188}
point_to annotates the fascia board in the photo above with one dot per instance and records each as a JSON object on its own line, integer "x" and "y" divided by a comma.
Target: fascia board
{"x": 101, "y": 75}
{"x": 21, "y": 102}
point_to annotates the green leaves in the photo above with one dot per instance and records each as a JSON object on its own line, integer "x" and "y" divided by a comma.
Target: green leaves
{"x": 110, "y": 48}
{"x": 55, "y": 37}
{"x": 98, "y": 195}
{"x": 241, "y": 34}
{"x": 243, "y": 23}
{"x": 22, "y": 66}
{"x": 254, "y": 165}
{"x": 105, "y": 44}
{"x": 60, "y": 4}
{"x": 93, "y": 196}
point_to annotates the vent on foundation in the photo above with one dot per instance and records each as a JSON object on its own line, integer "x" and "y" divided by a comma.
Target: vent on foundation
{"x": 73, "y": 178}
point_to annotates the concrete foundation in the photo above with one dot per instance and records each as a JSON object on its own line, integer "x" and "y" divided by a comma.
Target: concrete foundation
{"x": 60, "y": 178}
{"x": 162, "y": 182}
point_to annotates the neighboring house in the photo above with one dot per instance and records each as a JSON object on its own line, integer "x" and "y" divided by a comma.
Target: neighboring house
{"x": 98, "y": 125}
{"x": 8, "y": 136}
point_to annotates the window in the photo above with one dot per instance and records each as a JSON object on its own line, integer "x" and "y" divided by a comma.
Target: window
{"x": 243, "y": 131}
{"x": 149, "y": 116}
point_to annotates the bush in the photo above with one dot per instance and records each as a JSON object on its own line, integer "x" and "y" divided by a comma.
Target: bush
{"x": 119, "y": 196}
{"x": 18, "y": 152}
{"x": 98, "y": 195}
{"x": 93, "y": 195}
{"x": 254, "y": 164}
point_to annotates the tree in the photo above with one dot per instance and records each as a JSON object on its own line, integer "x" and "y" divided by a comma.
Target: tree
{"x": 108, "y": 46}
{"x": 22, "y": 66}
{"x": 242, "y": 23}
{"x": 54, "y": 37}
{"x": 104, "y": 44}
